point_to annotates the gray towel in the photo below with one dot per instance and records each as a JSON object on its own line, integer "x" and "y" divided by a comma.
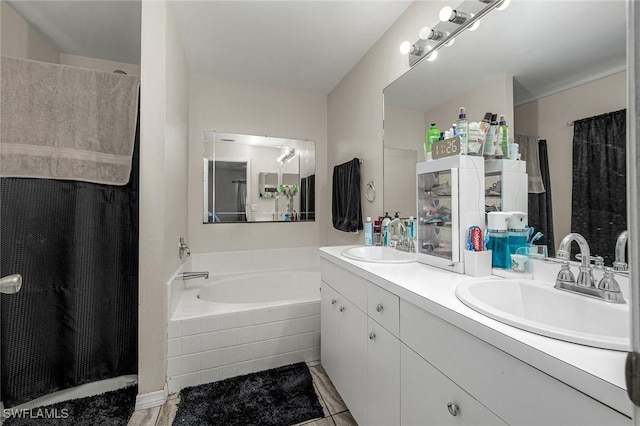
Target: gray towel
{"x": 61, "y": 122}
{"x": 529, "y": 152}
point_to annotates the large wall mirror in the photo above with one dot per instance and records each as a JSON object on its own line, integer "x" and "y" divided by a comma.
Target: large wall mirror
{"x": 544, "y": 64}
{"x": 250, "y": 178}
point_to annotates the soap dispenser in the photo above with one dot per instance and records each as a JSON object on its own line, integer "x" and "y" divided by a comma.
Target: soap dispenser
{"x": 497, "y": 238}
{"x": 386, "y": 237}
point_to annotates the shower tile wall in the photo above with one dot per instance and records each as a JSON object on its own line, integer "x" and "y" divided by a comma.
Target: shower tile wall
{"x": 212, "y": 348}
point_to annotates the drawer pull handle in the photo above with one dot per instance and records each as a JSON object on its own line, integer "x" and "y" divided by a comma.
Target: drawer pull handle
{"x": 379, "y": 308}
{"x": 341, "y": 308}
{"x": 333, "y": 301}
{"x": 453, "y": 409}
{"x": 372, "y": 336}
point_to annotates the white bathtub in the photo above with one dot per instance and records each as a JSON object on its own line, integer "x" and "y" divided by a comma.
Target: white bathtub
{"x": 243, "y": 319}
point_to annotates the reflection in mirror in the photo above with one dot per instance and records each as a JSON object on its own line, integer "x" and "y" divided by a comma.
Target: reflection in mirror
{"x": 546, "y": 74}
{"x": 257, "y": 179}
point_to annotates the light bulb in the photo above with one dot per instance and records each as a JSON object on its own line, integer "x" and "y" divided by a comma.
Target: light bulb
{"x": 474, "y": 26}
{"x": 445, "y": 13}
{"x": 504, "y": 5}
{"x": 425, "y": 33}
{"x": 450, "y": 42}
{"x": 432, "y": 56}
{"x": 405, "y": 47}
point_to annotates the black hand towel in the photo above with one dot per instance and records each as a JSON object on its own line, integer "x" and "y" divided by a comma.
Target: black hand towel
{"x": 346, "y": 209}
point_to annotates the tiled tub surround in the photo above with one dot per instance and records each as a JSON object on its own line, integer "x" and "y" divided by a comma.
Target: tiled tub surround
{"x": 211, "y": 341}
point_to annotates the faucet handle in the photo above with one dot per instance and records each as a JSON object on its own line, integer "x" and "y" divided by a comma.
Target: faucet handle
{"x": 565, "y": 275}
{"x": 610, "y": 287}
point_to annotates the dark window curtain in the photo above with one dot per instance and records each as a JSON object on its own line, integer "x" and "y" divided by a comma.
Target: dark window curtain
{"x": 307, "y": 197}
{"x": 75, "y": 319}
{"x": 540, "y": 208}
{"x": 599, "y": 199}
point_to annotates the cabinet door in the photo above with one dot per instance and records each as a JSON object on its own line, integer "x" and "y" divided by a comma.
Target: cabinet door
{"x": 353, "y": 359}
{"x": 330, "y": 331}
{"x": 383, "y": 376}
{"x": 430, "y": 398}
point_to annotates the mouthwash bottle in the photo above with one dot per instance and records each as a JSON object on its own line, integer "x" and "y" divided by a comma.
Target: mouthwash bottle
{"x": 462, "y": 130}
{"x": 433, "y": 135}
{"x": 503, "y": 135}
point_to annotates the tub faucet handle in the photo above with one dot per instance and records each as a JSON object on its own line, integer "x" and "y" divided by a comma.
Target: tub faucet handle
{"x": 183, "y": 248}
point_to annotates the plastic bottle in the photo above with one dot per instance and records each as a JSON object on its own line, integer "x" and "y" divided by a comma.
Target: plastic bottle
{"x": 491, "y": 140}
{"x": 462, "y": 129}
{"x": 411, "y": 227}
{"x": 503, "y": 135}
{"x": 483, "y": 130}
{"x": 368, "y": 232}
{"x": 433, "y": 135}
{"x": 386, "y": 237}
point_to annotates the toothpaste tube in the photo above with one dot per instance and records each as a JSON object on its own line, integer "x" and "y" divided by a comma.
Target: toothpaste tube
{"x": 474, "y": 238}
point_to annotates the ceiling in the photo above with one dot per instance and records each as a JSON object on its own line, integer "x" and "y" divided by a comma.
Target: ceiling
{"x": 297, "y": 44}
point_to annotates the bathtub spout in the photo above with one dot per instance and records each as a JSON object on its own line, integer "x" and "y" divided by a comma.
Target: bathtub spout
{"x": 192, "y": 275}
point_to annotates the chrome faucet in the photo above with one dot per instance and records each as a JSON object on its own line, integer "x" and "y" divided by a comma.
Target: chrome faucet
{"x": 585, "y": 276}
{"x": 620, "y": 264}
{"x": 607, "y": 289}
{"x": 192, "y": 275}
{"x": 405, "y": 243}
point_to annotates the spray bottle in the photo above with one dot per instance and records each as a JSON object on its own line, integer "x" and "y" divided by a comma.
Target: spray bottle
{"x": 462, "y": 129}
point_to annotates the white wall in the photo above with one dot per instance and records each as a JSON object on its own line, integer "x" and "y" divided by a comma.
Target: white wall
{"x": 355, "y": 110}
{"x": 163, "y": 182}
{"x": 98, "y": 64}
{"x": 233, "y": 107}
{"x": 548, "y": 117}
{"x": 21, "y": 40}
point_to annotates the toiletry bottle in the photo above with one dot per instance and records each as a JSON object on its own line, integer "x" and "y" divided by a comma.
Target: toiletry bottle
{"x": 491, "y": 139}
{"x": 368, "y": 232}
{"x": 483, "y": 130}
{"x": 462, "y": 129}
{"x": 433, "y": 134}
{"x": 411, "y": 227}
{"x": 386, "y": 237}
{"x": 503, "y": 135}
{"x": 454, "y": 130}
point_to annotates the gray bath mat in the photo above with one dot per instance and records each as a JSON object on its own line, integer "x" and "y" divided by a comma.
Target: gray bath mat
{"x": 280, "y": 396}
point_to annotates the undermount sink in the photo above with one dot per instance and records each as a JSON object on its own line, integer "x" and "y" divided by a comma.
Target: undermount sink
{"x": 537, "y": 307}
{"x": 378, "y": 254}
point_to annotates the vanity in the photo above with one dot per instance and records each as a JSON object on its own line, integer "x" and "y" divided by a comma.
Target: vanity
{"x": 402, "y": 349}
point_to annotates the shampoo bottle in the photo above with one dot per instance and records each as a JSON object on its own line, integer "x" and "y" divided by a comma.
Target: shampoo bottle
{"x": 462, "y": 129}
{"x": 386, "y": 237}
{"x": 503, "y": 135}
{"x": 433, "y": 134}
{"x": 491, "y": 140}
{"x": 368, "y": 232}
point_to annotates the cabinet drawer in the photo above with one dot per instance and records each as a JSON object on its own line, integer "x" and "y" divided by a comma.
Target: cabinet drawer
{"x": 426, "y": 394}
{"x": 384, "y": 307}
{"x": 346, "y": 283}
{"x": 512, "y": 389}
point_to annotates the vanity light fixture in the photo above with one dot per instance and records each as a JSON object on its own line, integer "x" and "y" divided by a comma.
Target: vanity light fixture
{"x": 432, "y": 56}
{"x": 503, "y": 5}
{"x": 475, "y": 25}
{"x": 286, "y": 156}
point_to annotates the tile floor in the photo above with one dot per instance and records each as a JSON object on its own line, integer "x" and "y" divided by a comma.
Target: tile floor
{"x": 335, "y": 411}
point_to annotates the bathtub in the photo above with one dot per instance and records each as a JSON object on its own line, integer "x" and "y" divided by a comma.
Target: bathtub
{"x": 246, "y": 317}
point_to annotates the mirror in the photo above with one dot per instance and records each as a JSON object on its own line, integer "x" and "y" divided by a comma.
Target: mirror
{"x": 512, "y": 65}
{"x": 250, "y": 178}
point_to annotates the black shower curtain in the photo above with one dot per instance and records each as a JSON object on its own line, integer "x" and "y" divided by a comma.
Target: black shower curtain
{"x": 540, "y": 207}
{"x": 75, "y": 319}
{"x": 599, "y": 199}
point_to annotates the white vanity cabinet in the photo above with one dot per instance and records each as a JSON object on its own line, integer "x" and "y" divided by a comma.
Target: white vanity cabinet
{"x": 396, "y": 363}
{"x": 359, "y": 354}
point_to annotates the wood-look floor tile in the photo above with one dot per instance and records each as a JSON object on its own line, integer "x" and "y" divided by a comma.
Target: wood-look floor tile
{"x": 168, "y": 412}
{"x": 327, "y": 421}
{"x": 328, "y": 392}
{"x": 146, "y": 417}
{"x": 325, "y": 410}
{"x": 344, "y": 419}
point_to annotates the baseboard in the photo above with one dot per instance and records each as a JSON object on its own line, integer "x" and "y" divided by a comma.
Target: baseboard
{"x": 152, "y": 399}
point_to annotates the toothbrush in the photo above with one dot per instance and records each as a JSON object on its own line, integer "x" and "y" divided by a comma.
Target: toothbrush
{"x": 536, "y": 237}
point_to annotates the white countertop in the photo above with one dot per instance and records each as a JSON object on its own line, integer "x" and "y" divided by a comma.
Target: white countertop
{"x": 596, "y": 372}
